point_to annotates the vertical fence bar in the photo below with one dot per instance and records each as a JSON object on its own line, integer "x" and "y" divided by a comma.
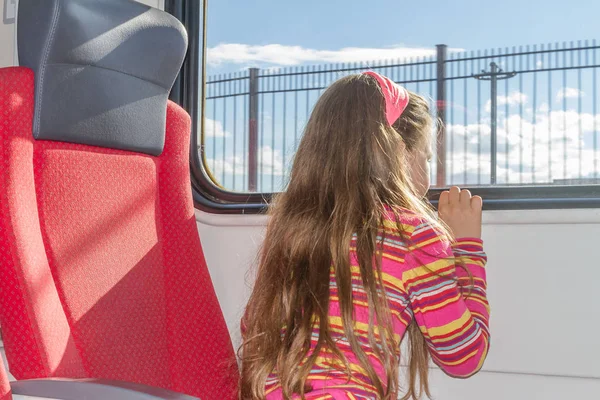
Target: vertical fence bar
{"x": 418, "y": 73}
{"x": 494, "y": 116}
{"x": 465, "y": 119}
{"x": 595, "y": 109}
{"x": 549, "y": 67}
{"x": 253, "y": 131}
{"x": 479, "y": 59}
{"x": 451, "y": 133}
{"x": 214, "y": 124}
{"x": 236, "y": 89}
{"x": 494, "y": 123}
{"x": 284, "y": 144}
{"x": 297, "y": 77}
{"x": 506, "y": 126}
{"x": 534, "y": 116}
{"x": 521, "y": 112}
{"x": 245, "y": 136}
{"x": 276, "y": 88}
{"x": 579, "y": 106}
{"x": 306, "y": 86}
{"x": 261, "y": 141}
{"x": 442, "y": 51}
{"x": 226, "y": 87}
{"x": 564, "y": 109}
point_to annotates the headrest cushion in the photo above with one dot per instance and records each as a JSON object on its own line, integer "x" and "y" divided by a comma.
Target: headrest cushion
{"x": 103, "y": 70}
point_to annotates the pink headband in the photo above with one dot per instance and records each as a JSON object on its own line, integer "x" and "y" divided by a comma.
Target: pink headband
{"x": 396, "y": 97}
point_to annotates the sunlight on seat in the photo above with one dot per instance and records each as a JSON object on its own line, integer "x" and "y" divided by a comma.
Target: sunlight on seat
{"x": 107, "y": 42}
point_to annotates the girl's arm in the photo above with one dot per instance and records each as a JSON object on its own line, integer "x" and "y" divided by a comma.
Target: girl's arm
{"x": 452, "y": 315}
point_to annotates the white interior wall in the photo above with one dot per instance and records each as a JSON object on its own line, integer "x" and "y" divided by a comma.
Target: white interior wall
{"x": 7, "y": 32}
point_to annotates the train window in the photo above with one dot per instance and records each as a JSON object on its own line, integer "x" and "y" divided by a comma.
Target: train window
{"x": 517, "y": 103}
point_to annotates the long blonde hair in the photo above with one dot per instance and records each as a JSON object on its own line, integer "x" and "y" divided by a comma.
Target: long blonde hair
{"x": 348, "y": 168}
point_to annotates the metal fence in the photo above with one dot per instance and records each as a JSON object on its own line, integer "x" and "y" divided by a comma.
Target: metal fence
{"x": 511, "y": 116}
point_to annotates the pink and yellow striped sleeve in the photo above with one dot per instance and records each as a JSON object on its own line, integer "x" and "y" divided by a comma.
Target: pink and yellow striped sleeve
{"x": 452, "y": 315}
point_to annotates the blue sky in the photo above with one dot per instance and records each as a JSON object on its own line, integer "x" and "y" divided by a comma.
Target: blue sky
{"x": 336, "y": 24}
{"x": 535, "y": 125}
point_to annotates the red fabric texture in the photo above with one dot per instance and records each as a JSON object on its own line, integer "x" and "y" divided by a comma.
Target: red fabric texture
{"x": 102, "y": 272}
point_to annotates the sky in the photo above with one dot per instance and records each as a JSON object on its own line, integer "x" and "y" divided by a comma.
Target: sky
{"x": 332, "y": 25}
{"x": 269, "y": 34}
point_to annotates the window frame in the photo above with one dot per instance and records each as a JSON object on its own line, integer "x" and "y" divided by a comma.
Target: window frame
{"x": 189, "y": 92}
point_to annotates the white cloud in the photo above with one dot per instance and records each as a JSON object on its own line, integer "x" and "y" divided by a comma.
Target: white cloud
{"x": 278, "y": 54}
{"x": 551, "y": 146}
{"x": 229, "y": 166}
{"x": 569, "y": 93}
{"x": 513, "y": 99}
{"x": 270, "y": 163}
{"x": 214, "y": 128}
{"x": 543, "y": 107}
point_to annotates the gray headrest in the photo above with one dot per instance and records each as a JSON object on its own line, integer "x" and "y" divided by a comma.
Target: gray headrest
{"x": 103, "y": 70}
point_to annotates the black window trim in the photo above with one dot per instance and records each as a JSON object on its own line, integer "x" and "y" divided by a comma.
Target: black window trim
{"x": 188, "y": 92}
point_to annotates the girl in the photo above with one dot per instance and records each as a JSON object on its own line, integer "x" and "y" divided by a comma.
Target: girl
{"x": 354, "y": 259}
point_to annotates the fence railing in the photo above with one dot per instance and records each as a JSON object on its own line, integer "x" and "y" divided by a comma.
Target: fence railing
{"x": 512, "y": 116}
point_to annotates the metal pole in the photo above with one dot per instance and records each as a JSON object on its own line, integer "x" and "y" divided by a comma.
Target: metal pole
{"x": 493, "y": 76}
{"x": 441, "y": 114}
{"x": 253, "y": 131}
{"x": 494, "y": 116}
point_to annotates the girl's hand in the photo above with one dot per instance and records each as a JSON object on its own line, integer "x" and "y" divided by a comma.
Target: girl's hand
{"x": 461, "y": 212}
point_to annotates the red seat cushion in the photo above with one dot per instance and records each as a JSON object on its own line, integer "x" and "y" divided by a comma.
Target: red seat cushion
{"x": 102, "y": 272}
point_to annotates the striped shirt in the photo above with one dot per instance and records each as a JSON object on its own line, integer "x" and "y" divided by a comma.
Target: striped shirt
{"x": 420, "y": 279}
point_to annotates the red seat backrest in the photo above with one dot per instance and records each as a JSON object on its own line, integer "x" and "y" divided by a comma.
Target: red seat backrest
{"x": 101, "y": 269}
